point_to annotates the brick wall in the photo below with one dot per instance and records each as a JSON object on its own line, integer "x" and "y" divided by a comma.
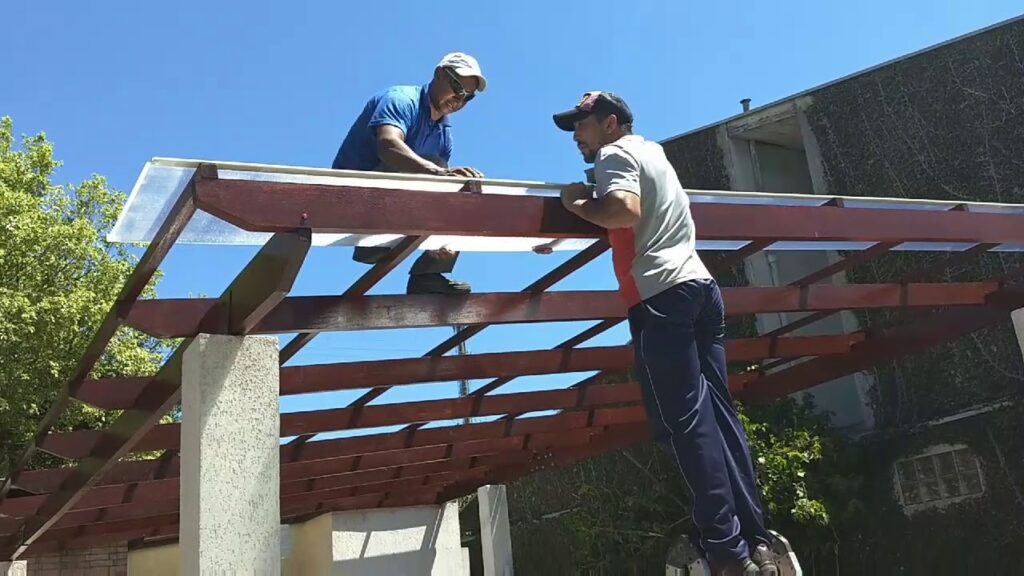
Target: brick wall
{"x": 105, "y": 561}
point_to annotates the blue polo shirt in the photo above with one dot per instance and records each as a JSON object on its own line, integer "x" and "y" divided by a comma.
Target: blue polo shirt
{"x": 406, "y": 107}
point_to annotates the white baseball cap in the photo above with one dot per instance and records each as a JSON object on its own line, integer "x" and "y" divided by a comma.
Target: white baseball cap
{"x": 464, "y": 65}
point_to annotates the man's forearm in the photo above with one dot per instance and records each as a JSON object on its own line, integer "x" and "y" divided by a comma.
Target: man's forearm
{"x": 399, "y": 157}
{"x": 602, "y": 213}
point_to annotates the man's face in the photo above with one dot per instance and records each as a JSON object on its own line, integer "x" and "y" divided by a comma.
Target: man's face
{"x": 590, "y": 134}
{"x": 454, "y": 91}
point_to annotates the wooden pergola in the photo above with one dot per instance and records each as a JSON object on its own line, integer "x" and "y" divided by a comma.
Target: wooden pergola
{"x": 105, "y": 497}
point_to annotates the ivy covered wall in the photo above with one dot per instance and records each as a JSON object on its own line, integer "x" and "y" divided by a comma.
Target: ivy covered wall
{"x": 946, "y": 124}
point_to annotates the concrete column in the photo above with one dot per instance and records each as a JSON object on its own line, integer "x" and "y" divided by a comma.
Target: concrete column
{"x": 1017, "y": 316}
{"x": 18, "y": 568}
{"x": 495, "y": 534}
{"x": 230, "y": 470}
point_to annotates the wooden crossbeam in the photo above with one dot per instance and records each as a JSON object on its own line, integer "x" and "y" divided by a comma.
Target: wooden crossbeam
{"x": 171, "y": 318}
{"x": 275, "y": 206}
{"x": 417, "y": 483}
{"x": 882, "y": 346}
{"x": 319, "y": 458}
{"x": 119, "y": 393}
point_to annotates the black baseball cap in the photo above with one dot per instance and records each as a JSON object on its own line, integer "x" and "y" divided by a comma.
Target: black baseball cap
{"x": 594, "y": 103}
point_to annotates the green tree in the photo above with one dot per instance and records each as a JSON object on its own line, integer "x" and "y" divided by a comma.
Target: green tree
{"x": 620, "y": 513}
{"x": 58, "y": 278}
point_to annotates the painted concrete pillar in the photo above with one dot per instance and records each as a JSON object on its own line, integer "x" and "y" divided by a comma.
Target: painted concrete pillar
{"x": 230, "y": 470}
{"x": 495, "y": 534}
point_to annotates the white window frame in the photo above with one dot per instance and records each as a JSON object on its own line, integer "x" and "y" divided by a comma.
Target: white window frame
{"x": 928, "y": 458}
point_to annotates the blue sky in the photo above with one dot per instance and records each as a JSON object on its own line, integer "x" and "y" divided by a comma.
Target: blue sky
{"x": 116, "y": 83}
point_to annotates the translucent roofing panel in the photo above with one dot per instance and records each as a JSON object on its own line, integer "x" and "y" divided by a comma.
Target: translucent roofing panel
{"x": 163, "y": 179}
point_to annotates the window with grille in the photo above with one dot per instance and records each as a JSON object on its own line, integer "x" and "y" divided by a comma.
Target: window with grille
{"x": 941, "y": 476}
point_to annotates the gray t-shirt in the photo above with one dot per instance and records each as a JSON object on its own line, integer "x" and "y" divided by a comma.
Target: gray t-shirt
{"x": 659, "y": 251}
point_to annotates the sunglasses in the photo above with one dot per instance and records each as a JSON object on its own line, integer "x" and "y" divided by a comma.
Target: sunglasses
{"x": 458, "y": 88}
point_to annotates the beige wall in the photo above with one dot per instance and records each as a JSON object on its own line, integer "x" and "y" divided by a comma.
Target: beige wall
{"x": 155, "y": 561}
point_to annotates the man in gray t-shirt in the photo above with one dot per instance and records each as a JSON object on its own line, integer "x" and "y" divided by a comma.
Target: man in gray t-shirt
{"x": 677, "y": 320}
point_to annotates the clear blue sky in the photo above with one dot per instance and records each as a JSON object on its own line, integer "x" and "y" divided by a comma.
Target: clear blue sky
{"x": 116, "y": 83}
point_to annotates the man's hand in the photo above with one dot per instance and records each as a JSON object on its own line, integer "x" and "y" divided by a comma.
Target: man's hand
{"x": 472, "y": 187}
{"x": 544, "y": 249}
{"x": 572, "y": 194}
{"x": 464, "y": 172}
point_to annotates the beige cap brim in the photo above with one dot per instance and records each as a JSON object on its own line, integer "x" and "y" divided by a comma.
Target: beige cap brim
{"x": 467, "y": 72}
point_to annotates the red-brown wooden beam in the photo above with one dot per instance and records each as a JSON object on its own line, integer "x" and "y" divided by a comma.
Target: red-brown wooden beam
{"x": 350, "y": 457}
{"x": 121, "y": 521}
{"x": 427, "y": 461}
{"x": 461, "y": 470}
{"x": 165, "y": 533}
{"x": 353, "y": 491}
{"x": 306, "y": 476}
{"x": 167, "y": 436}
{"x": 114, "y": 393}
{"x": 719, "y": 266}
{"x": 360, "y": 287}
{"x": 919, "y": 275}
{"x": 306, "y": 460}
{"x": 382, "y": 482}
{"x": 174, "y": 318}
{"x": 402, "y": 250}
{"x": 416, "y": 493}
{"x": 850, "y": 261}
{"x": 508, "y": 472}
{"x": 400, "y": 490}
{"x": 546, "y": 281}
{"x": 258, "y": 288}
{"x": 90, "y": 535}
{"x": 881, "y": 346}
{"x": 426, "y": 496}
{"x": 117, "y": 501}
{"x": 276, "y": 207}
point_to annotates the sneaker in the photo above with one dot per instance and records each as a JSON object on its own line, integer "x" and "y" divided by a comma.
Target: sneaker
{"x": 435, "y": 284}
{"x": 765, "y": 560}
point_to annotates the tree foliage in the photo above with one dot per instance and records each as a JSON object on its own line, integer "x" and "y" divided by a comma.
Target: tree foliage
{"x": 58, "y": 279}
{"x": 620, "y": 513}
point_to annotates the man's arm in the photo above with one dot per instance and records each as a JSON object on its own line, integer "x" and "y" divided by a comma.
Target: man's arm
{"x": 391, "y": 120}
{"x": 617, "y": 188}
{"x": 394, "y": 152}
{"x": 616, "y": 209}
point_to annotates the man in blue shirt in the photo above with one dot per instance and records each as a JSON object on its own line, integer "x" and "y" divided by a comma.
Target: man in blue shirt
{"x": 406, "y": 129}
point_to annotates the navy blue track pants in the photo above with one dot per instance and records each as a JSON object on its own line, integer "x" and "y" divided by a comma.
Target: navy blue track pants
{"x": 679, "y": 337}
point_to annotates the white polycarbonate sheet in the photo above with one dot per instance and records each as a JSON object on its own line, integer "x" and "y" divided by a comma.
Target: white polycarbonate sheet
{"x": 163, "y": 179}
